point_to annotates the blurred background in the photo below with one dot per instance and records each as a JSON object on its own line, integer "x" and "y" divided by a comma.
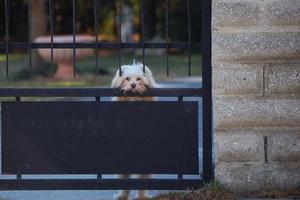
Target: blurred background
{"x": 47, "y": 74}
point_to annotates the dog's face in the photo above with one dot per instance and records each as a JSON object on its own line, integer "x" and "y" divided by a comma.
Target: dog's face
{"x": 133, "y": 79}
{"x": 133, "y": 84}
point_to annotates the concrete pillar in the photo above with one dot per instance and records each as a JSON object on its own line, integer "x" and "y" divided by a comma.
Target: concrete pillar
{"x": 256, "y": 90}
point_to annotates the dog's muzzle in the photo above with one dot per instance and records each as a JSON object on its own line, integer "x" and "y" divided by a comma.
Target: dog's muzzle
{"x": 133, "y": 85}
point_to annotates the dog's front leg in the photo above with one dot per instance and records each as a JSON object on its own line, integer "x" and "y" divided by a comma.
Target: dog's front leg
{"x": 124, "y": 194}
{"x": 142, "y": 195}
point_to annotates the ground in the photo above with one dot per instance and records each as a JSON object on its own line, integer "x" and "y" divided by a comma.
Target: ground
{"x": 217, "y": 191}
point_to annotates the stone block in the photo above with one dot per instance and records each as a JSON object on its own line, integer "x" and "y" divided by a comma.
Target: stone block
{"x": 284, "y": 147}
{"x": 247, "y": 112}
{"x": 239, "y": 147}
{"x": 258, "y": 176}
{"x": 283, "y": 80}
{"x": 235, "y": 46}
{"x": 283, "y": 13}
{"x": 238, "y": 80}
{"x": 240, "y": 176}
{"x": 235, "y": 14}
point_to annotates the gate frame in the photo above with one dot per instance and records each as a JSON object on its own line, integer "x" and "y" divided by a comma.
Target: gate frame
{"x": 95, "y": 184}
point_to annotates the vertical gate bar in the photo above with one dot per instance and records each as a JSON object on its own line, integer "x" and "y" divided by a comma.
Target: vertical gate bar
{"x": 19, "y": 176}
{"x": 99, "y": 176}
{"x": 143, "y": 31}
{"x": 119, "y": 10}
{"x": 74, "y": 38}
{"x": 51, "y": 27}
{"x": 96, "y": 32}
{"x": 167, "y": 34}
{"x": 180, "y": 99}
{"x": 189, "y": 35}
{"x": 6, "y": 35}
{"x": 97, "y": 98}
{"x": 29, "y": 35}
{"x": 18, "y": 98}
{"x": 207, "y": 87}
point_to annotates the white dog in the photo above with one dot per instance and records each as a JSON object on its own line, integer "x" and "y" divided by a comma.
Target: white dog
{"x": 133, "y": 80}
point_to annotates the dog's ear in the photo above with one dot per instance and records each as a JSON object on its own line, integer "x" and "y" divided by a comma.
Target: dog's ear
{"x": 150, "y": 80}
{"x": 146, "y": 82}
{"x": 117, "y": 80}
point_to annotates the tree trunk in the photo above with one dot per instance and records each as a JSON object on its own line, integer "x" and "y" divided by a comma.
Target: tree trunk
{"x": 39, "y": 27}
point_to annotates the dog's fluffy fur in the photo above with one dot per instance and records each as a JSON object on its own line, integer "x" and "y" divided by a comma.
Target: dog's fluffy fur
{"x": 133, "y": 80}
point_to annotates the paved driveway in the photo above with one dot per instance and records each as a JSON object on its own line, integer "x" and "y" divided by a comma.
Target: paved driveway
{"x": 108, "y": 194}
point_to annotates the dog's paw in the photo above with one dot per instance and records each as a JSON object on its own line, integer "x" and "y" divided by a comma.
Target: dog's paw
{"x": 144, "y": 197}
{"x": 123, "y": 195}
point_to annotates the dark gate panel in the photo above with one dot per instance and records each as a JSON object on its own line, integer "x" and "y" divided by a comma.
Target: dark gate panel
{"x": 100, "y": 138}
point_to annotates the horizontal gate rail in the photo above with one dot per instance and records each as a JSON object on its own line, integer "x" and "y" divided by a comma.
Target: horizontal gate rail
{"x": 100, "y": 184}
{"x": 91, "y": 92}
{"x": 101, "y": 45}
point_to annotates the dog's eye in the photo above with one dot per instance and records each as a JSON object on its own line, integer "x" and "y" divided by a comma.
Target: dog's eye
{"x": 127, "y": 78}
{"x": 138, "y": 79}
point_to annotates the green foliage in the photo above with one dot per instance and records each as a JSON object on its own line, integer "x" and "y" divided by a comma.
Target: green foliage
{"x": 178, "y": 20}
{"x": 18, "y": 23}
{"x": 214, "y": 186}
{"x": 45, "y": 71}
{"x": 154, "y": 18}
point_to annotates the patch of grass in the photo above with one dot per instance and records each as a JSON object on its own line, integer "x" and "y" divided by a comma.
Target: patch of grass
{"x": 211, "y": 191}
{"x": 44, "y": 71}
{"x": 214, "y": 186}
{"x": 84, "y": 81}
{"x": 11, "y": 57}
{"x": 89, "y": 76}
{"x": 178, "y": 64}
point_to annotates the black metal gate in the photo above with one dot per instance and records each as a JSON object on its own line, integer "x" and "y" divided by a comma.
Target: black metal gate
{"x": 71, "y": 137}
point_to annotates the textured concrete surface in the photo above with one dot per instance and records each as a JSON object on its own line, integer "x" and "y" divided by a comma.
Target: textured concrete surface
{"x": 256, "y": 45}
{"x": 283, "y": 13}
{"x": 256, "y": 82}
{"x": 284, "y": 147}
{"x": 235, "y": 14}
{"x": 250, "y": 112}
{"x": 230, "y": 80}
{"x": 239, "y": 147}
{"x": 283, "y": 80}
{"x": 252, "y": 176}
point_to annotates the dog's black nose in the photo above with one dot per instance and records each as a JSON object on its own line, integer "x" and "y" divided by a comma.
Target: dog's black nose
{"x": 133, "y": 85}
